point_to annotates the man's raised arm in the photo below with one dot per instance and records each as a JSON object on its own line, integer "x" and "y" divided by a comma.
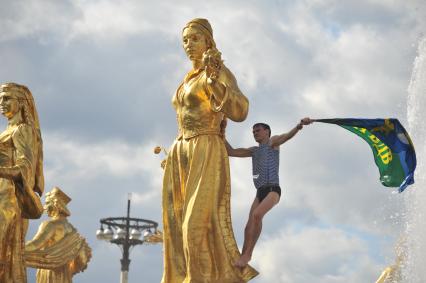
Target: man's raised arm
{"x": 280, "y": 139}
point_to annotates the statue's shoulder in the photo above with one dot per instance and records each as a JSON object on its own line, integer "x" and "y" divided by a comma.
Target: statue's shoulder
{"x": 56, "y": 222}
{"x": 47, "y": 225}
{"x": 227, "y": 77}
{"x": 226, "y": 71}
{"x": 24, "y": 127}
{"x": 23, "y": 130}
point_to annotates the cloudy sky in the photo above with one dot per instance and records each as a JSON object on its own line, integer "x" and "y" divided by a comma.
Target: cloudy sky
{"x": 103, "y": 73}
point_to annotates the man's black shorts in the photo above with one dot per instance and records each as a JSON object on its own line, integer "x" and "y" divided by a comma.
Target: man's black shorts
{"x": 263, "y": 191}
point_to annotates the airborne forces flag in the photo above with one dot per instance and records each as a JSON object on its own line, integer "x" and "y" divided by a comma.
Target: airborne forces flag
{"x": 392, "y": 148}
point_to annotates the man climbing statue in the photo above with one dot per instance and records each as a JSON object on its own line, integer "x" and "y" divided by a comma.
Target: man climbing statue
{"x": 265, "y": 160}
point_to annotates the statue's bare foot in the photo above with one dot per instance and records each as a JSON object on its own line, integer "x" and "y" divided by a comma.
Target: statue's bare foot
{"x": 242, "y": 261}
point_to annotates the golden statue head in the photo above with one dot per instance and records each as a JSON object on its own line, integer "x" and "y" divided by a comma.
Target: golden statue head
{"x": 56, "y": 203}
{"x": 20, "y": 101}
{"x": 197, "y": 37}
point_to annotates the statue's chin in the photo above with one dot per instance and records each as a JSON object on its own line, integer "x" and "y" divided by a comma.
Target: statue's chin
{"x": 194, "y": 57}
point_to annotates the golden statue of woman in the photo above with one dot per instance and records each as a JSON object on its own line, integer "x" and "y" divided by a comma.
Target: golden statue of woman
{"x": 57, "y": 250}
{"x": 21, "y": 178}
{"x": 199, "y": 244}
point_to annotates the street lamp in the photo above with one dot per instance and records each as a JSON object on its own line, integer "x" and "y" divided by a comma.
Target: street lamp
{"x": 125, "y": 232}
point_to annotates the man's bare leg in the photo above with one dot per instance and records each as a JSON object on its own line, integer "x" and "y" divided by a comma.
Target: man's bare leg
{"x": 254, "y": 226}
{"x": 254, "y": 205}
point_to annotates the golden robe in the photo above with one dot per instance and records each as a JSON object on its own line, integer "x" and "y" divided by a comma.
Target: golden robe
{"x": 199, "y": 244}
{"x": 18, "y": 147}
{"x": 58, "y": 260}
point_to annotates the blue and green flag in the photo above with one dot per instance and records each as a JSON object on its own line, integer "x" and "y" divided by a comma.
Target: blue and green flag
{"x": 392, "y": 148}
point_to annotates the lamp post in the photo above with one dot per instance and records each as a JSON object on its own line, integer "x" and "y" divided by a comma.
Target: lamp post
{"x": 125, "y": 232}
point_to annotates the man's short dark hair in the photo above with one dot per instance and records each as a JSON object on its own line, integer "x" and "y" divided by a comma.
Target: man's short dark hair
{"x": 264, "y": 126}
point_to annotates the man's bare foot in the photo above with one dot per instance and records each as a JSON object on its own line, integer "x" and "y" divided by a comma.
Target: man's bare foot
{"x": 242, "y": 261}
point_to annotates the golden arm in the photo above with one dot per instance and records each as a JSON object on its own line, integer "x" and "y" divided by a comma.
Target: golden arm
{"x": 45, "y": 232}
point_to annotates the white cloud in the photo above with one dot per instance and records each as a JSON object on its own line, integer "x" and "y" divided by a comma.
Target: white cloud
{"x": 32, "y": 19}
{"x": 310, "y": 254}
{"x": 109, "y": 20}
{"x": 69, "y": 159}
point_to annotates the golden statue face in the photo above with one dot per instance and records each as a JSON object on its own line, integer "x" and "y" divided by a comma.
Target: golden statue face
{"x": 49, "y": 206}
{"x": 9, "y": 104}
{"x": 194, "y": 43}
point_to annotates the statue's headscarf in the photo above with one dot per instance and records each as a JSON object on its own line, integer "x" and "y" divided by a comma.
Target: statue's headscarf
{"x": 204, "y": 26}
{"x": 30, "y": 116}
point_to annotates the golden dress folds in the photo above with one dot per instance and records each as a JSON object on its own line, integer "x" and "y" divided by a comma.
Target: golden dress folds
{"x": 199, "y": 244}
{"x": 59, "y": 261}
{"x": 18, "y": 146}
